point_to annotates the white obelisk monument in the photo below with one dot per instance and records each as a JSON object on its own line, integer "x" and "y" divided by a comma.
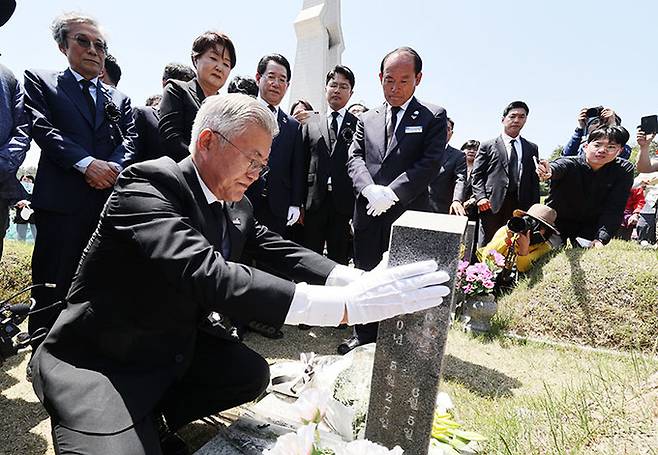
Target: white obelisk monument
{"x": 319, "y": 48}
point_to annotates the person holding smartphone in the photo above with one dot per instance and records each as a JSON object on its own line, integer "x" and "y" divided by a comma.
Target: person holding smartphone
{"x": 590, "y": 119}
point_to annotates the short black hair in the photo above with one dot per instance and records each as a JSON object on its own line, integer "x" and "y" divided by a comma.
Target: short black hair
{"x": 613, "y": 133}
{"x": 178, "y": 72}
{"x": 418, "y": 62}
{"x": 244, "y": 85}
{"x": 452, "y": 123}
{"x": 276, "y": 58}
{"x": 343, "y": 70}
{"x": 516, "y": 105}
{"x": 112, "y": 69}
{"x": 472, "y": 144}
{"x": 306, "y": 104}
{"x": 211, "y": 40}
{"x": 153, "y": 100}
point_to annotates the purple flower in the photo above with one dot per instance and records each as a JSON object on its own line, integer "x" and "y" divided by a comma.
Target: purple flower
{"x": 462, "y": 266}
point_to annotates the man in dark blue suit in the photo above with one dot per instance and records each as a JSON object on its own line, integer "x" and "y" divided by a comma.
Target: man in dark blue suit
{"x": 85, "y": 131}
{"x": 277, "y": 197}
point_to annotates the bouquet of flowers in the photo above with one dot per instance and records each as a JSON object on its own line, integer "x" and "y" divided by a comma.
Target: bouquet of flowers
{"x": 480, "y": 278}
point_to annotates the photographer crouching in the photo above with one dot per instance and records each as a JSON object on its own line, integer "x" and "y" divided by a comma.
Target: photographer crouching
{"x": 526, "y": 237}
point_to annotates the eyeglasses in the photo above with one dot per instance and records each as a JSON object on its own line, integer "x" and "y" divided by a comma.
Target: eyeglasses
{"x": 82, "y": 41}
{"x": 608, "y": 148}
{"x": 254, "y": 165}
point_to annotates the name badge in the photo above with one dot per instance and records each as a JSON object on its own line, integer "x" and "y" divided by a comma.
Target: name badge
{"x": 413, "y": 129}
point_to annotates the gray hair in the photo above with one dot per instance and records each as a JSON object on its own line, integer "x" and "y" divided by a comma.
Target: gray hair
{"x": 230, "y": 115}
{"x": 61, "y": 24}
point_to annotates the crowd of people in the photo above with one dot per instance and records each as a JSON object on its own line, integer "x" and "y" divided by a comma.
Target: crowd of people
{"x": 156, "y": 192}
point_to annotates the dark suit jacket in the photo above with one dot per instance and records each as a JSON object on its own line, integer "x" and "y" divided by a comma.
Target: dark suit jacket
{"x": 407, "y": 165}
{"x": 151, "y": 273}
{"x": 64, "y": 130}
{"x": 180, "y": 103}
{"x": 448, "y": 185}
{"x": 490, "y": 179}
{"x": 285, "y": 183}
{"x": 324, "y": 163}
{"x": 147, "y": 143}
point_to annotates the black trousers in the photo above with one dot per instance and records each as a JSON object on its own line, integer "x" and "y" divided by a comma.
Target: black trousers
{"x": 223, "y": 374}
{"x": 370, "y": 244}
{"x": 327, "y": 225}
{"x": 263, "y": 213}
{"x": 57, "y": 252}
{"x": 491, "y": 222}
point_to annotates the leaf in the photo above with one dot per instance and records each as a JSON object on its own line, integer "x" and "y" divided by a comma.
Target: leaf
{"x": 447, "y": 449}
{"x": 469, "y": 435}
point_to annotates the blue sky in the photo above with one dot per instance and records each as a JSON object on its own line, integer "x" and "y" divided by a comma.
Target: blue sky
{"x": 478, "y": 55}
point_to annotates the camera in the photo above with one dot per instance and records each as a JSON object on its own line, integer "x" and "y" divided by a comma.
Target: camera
{"x": 519, "y": 224}
{"x": 594, "y": 112}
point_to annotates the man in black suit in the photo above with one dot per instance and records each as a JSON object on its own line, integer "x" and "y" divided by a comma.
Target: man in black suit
{"x": 504, "y": 177}
{"x": 278, "y": 197}
{"x": 330, "y": 199}
{"x": 397, "y": 150}
{"x": 134, "y": 342}
{"x": 447, "y": 188}
{"x": 148, "y": 145}
{"x": 85, "y": 131}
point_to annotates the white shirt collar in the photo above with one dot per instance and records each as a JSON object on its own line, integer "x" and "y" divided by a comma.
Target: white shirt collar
{"x": 403, "y": 108}
{"x": 79, "y": 77}
{"x": 341, "y": 112}
{"x": 267, "y": 105}
{"x": 210, "y": 197}
{"x": 507, "y": 139}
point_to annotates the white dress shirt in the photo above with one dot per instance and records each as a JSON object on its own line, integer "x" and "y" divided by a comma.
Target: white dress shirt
{"x": 517, "y": 145}
{"x": 401, "y": 112}
{"x": 339, "y": 119}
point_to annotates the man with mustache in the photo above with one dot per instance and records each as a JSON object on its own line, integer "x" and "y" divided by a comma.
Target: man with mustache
{"x": 85, "y": 131}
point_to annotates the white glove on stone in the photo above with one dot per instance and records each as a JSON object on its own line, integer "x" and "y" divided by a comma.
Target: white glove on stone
{"x": 377, "y": 295}
{"x": 293, "y": 215}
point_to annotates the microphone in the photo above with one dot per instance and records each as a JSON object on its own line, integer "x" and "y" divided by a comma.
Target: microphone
{"x": 19, "y": 309}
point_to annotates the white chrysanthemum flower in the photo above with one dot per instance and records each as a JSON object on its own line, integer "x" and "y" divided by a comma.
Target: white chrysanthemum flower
{"x": 300, "y": 443}
{"x": 365, "y": 447}
{"x": 311, "y": 406}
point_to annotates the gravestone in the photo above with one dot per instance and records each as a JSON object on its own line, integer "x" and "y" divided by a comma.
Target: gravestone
{"x": 410, "y": 348}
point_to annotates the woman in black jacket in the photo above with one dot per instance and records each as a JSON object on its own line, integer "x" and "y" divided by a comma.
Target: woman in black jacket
{"x": 213, "y": 57}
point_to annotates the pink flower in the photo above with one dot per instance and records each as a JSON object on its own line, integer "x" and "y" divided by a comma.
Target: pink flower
{"x": 462, "y": 266}
{"x": 468, "y": 289}
{"x": 498, "y": 258}
{"x": 488, "y": 284}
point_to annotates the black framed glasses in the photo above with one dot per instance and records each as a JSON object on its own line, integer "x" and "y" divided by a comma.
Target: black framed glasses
{"x": 83, "y": 41}
{"x": 254, "y": 165}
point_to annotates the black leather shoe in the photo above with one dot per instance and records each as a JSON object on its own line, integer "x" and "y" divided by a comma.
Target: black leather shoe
{"x": 349, "y": 344}
{"x": 265, "y": 330}
{"x": 304, "y": 327}
{"x": 172, "y": 444}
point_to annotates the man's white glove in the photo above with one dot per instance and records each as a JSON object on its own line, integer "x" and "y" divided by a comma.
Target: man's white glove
{"x": 376, "y": 295}
{"x": 293, "y": 215}
{"x": 380, "y": 199}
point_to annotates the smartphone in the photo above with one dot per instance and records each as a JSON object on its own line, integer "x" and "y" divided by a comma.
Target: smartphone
{"x": 313, "y": 116}
{"x": 649, "y": 124}
{"x": 593, "y": 112}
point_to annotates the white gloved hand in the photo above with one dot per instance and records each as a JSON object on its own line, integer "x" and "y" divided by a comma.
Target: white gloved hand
{"x": 380, "y": 199}
{"x": 377, "y": 295}
{"x": 293, "y": 215}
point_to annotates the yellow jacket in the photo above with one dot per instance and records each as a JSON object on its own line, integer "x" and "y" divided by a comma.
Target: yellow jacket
{"x": 523, "y": 263}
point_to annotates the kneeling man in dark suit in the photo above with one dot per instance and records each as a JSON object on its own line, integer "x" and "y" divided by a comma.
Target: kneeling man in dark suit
{"x": 135, "y": 343}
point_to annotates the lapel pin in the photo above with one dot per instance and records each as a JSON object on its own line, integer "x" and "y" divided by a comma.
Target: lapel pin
{"x": 414, "y": 115}
{"x": 236, "y": 221}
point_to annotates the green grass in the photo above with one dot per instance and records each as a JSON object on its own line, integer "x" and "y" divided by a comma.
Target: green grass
{"x": 530, "y": 398}
{"x": 604, "y": 298}
{"x": 15, "y": 273}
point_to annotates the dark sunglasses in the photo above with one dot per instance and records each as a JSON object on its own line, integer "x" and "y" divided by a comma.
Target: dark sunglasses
{"x": 100, "y": 46}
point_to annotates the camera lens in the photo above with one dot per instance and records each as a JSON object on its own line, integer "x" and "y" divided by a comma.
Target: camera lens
{"x": 517, "y": 224}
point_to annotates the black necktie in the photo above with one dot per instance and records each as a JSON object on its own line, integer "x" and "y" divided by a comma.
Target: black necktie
{"x": 272, "y": 108}
{"x": 218, "y": 210}
{"x": 513, "y": 167}
{"x": 88, "y": 98}
{"x": 334, "y": 122}
{"x": 390, "y": 131}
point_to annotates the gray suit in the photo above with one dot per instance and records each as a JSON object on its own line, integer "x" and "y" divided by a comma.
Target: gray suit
{"x": 491, "y": 181}
{"x": 449, "y": 184}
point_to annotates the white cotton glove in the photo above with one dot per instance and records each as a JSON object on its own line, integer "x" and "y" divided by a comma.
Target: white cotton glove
{"x": 380, "y": 199}
{"x": 375, "y": 296}
{"x": 293, "y": 215}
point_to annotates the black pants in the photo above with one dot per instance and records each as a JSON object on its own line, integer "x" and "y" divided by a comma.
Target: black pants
{"x": 327, "y": 225}
{"x": 223, "y": 374}
{"x": 57, "y": 251}
{"x": 370, "y": 244}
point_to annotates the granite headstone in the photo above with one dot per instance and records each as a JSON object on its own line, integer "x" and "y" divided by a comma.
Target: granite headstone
{"x": 410, "y": 348}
